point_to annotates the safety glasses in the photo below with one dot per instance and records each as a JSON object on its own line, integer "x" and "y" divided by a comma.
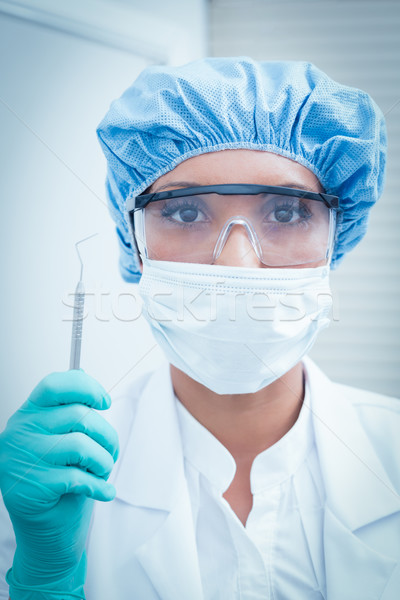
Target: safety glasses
{"x": 285, "y": 226}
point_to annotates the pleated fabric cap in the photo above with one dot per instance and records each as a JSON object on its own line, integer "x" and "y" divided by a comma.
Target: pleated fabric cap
{"x": 291, "y": 108}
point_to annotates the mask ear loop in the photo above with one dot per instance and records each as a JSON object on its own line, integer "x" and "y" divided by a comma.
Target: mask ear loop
{"x": 227, "y": 228}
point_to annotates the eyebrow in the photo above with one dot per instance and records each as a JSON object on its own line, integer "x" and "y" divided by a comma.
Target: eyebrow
{"x": 185, "y": 184}
{"x": 177, "y": 184}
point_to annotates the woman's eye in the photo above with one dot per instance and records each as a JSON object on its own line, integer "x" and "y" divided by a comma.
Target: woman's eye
{"x": 283, "y": 215}
{"x": 186, "y": 215}
{"x": 289, "y": 213}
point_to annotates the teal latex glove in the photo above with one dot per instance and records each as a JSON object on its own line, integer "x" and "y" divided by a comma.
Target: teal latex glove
{"x": 56, "y": 455}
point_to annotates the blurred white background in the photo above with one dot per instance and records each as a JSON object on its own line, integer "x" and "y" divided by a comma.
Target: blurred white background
{"x": 62, "y": 63}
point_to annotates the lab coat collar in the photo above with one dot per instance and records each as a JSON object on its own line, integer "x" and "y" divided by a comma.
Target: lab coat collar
{"x": 358, "y": 493}
{"x": 155, "y": 480}
{"x": 353, "y": 569}
{"x": 358, "y": 490}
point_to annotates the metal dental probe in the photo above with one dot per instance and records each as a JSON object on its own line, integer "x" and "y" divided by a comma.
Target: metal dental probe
{"x": 77, "y": 322}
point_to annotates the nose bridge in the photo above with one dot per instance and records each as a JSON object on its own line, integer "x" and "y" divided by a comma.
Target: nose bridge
{"x": 241, "y": 223}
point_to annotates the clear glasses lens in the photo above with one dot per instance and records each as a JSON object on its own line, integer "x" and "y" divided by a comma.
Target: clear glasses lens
{"x": 289, "y": 231}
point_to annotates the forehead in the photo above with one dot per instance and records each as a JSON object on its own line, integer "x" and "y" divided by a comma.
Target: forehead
{"x": 238, "y": 166}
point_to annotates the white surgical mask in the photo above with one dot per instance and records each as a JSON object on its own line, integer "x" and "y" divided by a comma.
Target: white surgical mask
{"x": 234, "y": 329}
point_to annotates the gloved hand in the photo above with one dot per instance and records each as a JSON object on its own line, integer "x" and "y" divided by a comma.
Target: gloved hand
{"x": 56, "y": 455}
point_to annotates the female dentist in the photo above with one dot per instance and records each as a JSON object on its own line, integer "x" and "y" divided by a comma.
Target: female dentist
{"x": 243, "y": 472}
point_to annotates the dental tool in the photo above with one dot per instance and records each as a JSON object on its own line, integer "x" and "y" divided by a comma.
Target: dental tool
{"x": 77, "y": 321}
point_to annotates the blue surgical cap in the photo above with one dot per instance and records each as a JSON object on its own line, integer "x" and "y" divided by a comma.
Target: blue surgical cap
{"x": 292, "y": 108}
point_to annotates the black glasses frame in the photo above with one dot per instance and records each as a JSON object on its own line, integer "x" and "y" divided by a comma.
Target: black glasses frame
{"x": 230, "y": 189}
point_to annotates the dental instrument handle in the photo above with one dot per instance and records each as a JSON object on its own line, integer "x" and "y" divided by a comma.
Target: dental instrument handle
{"x": 77, "y": 322}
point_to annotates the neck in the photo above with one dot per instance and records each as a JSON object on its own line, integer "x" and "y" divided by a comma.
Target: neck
{"x": 246, "y": 424}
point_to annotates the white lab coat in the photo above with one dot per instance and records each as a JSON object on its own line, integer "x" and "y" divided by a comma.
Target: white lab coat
{"x": 142, "y": 544}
